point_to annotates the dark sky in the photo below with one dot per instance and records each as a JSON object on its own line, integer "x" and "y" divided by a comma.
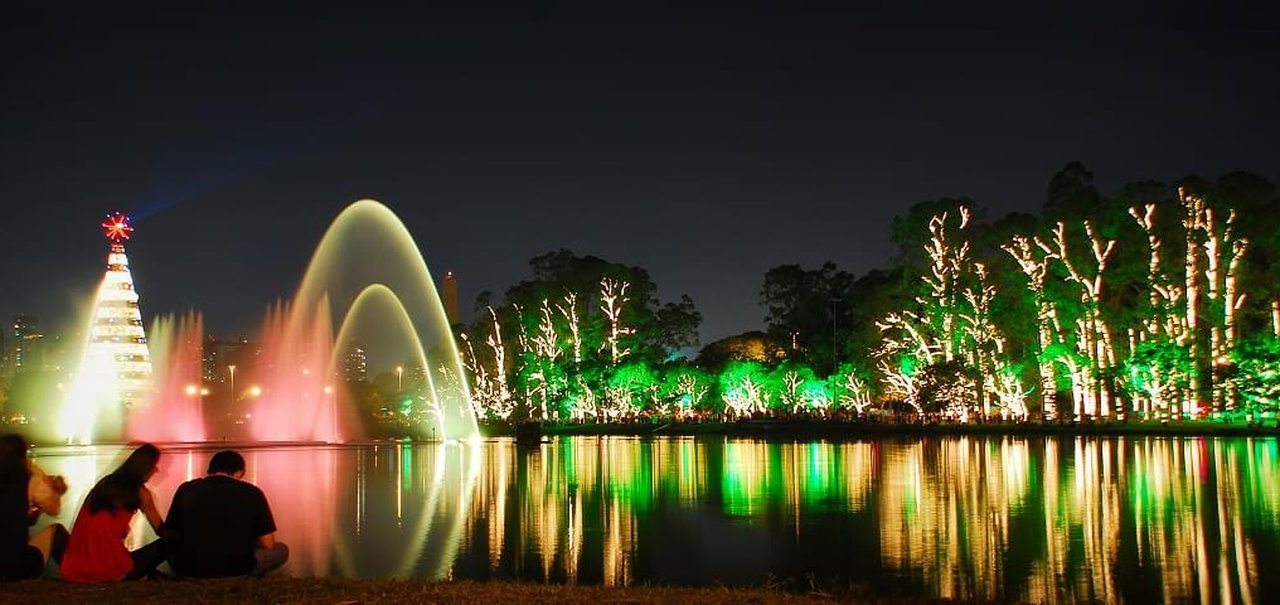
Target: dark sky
{"x": 703, "y": 146}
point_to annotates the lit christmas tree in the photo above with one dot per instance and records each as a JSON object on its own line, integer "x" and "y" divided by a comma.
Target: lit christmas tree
{"x": 115, "y": 373}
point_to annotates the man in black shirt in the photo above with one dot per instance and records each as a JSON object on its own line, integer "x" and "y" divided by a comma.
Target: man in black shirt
{"x": 222, "y": 526}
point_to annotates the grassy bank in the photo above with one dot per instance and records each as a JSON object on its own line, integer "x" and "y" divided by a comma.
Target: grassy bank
{"x": 341, "y": 591}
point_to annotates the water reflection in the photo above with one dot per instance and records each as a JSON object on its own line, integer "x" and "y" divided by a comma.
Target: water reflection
{"x": 1039, "y": 519}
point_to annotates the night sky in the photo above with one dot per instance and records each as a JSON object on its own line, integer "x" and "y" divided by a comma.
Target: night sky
{"x": 706, "y": 146}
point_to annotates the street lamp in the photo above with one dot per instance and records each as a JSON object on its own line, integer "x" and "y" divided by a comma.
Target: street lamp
{"x": 399, "y": 379}
{"x": 232, "y": 369}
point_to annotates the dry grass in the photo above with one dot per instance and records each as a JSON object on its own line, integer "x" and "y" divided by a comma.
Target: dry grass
{"x": 335, "y": 591}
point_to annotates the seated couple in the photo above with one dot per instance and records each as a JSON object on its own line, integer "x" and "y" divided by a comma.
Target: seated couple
{"x": 222, "y": 526}
{"x": 218, "y": 526}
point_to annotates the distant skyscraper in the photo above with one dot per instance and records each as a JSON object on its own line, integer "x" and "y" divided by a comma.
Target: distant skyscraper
{"x": 58, "y": 353}
{"x": 209, "y": 361}
{"x": 26, "y": 351}
{"x": 222, "y": 355}
{"x": 451, "y": 298}
{"x": 355, "y": 364}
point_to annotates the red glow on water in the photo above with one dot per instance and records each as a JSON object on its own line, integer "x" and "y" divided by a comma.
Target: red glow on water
{"x": 302, "y": 487}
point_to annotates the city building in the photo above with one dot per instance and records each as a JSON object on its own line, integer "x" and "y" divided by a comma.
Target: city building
{"x": 26, "y": 345}
{"x": 450, "y": 288}
{"x": 355, "y": 364}
{"x": 209, "y": 360}
{"x": 230, "y": 361}
{"x": 58, "y": 352}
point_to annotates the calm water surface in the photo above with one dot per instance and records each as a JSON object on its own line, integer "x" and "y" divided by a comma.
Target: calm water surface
{"x": 1041, "y": 519}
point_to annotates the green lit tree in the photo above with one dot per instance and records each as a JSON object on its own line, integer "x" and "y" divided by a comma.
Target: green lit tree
{"x": 745, "y": 388}
{"x": 555, "y": 343}
{"x": 1256, "y": 376}
{"x": 1158, "y": 374}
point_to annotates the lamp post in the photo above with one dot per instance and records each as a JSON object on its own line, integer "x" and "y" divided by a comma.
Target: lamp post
{"x": 232, "y": 369}
{"x": 399, "y": 379}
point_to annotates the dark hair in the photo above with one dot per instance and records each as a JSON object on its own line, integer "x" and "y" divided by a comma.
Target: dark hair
{"x": 140, "y": 463}
{"x": 13, "y": 460}
{"x": 119, "y": 490}
{"x": 227, "y": 462}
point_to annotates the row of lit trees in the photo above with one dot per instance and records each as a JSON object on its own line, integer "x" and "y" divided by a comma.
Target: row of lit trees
{"x": 1158, "y": 302}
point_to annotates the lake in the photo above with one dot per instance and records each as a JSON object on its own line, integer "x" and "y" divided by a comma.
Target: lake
{"x": 1029, "y": 518}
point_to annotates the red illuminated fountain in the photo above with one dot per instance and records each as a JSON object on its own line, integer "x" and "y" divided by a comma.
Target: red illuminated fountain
{"x": 174, "y": 410}
{"x": 296, "y": 400}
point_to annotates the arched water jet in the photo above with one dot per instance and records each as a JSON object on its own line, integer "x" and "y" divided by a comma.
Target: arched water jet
{"x": 468, "y": 466}
{"x": 380, "y": 294}
{"x": 393, "y": 259}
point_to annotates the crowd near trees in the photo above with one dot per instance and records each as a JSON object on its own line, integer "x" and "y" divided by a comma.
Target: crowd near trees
{"x": 1160, "y": 301}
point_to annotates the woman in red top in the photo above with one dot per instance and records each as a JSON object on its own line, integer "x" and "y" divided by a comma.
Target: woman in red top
{"x": 96, "y": 552}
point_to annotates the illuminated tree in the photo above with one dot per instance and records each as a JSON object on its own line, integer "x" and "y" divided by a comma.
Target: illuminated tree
{"x": 1256, "y": 377}
{"x": 564, "y": 348}
{"x": 798, "y": 390}
{"x": 852, "y": 393}
{"x": 630, "y": 389}
{"x": 613, "y": 297}
{"x": 744, "y": 388}
{"x": 1196, "y": 304}
{"x": 949, "y": 387}
{"x": 1092, "y": 335}
{"x": 687, "y": 388}
{"x": 948, "y": 331}
{"x": 1034, "y": 257}
{"x": 1159, "y": 371}
{"x": 570, "y": 312}
{"x": 901, "y": 380}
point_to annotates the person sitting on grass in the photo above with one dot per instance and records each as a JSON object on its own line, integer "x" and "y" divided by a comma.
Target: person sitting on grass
{"x": 96, "y": 552}
{"x": 222, "y": 526}
{"x": 25, "y": 492}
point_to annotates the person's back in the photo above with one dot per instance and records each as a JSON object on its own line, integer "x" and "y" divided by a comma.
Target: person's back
{"x": 17, "y": 559}
{"x": 219, "y": 525}
{"x": 96, "y": 552}
{"x": 21, "y": 555}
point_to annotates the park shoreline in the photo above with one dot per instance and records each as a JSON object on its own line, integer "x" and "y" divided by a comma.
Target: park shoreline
{"x": 834, "y": 429}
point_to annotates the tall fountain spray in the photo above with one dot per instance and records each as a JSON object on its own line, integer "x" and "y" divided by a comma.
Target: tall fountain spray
{"x": 366, "y": 259}
{"x": 295, "y": 399}
{"x": 114, "y": 375}
{"x": 174, "y": 411}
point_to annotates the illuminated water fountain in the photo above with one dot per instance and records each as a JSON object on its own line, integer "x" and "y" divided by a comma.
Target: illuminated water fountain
{"x": 366, "y": 263}
{"x": 173, "y": 412}
{"x": 366, "y": 260}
